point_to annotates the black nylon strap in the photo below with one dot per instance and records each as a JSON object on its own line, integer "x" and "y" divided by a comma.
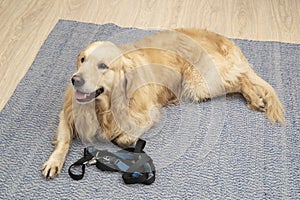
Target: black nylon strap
{"x": 80, "y": 162}
{"x": 140, "y": 144}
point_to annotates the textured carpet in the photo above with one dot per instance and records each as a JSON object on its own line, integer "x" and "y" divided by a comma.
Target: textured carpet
{"x": 214, "y": 150}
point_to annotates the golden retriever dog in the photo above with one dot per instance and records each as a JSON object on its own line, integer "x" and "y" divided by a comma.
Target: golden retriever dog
{"x": 117, "y": 91}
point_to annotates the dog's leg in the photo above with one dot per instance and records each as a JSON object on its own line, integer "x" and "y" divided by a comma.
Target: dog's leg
{"x": 261, "y": 96}
{"x": 53, "y": 166}
{"x": 139, "y": 122}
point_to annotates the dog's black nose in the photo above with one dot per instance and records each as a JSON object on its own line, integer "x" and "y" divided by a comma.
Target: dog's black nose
{"x": 77, "y": 81}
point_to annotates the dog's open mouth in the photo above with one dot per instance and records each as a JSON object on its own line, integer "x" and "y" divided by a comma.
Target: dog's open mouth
{"x": 86, "y": 97}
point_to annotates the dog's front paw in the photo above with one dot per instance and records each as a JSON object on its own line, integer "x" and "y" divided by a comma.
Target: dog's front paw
{"x": 52, "y": 168}
{"x": 125, "y": 140}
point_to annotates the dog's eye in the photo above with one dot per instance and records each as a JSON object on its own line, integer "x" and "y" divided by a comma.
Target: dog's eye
{"x": 102, "y": 66}
{"x": 82, "y": 59}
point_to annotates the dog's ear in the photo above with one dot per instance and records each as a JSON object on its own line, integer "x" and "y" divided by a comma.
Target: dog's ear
{"x": 125, "y": 84}
{"x": 120, "y": 87}
{"x": 127, "y": 63}
{"x": 128, "y": 66}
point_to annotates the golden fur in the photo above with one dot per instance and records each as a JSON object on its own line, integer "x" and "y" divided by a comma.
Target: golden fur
{"x": 140, "y": 78}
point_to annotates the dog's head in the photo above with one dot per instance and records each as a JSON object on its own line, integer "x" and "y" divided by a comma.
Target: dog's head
{"x": 96, "y": 66}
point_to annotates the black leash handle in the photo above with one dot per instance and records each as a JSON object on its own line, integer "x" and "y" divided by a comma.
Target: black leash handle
{"x": 81, "y": 162}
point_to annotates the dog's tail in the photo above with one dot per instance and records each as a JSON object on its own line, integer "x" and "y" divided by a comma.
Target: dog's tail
{"x": 261, "y": 96}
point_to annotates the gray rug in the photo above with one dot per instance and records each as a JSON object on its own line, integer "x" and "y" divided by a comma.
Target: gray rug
{"x": 214, "y": 150}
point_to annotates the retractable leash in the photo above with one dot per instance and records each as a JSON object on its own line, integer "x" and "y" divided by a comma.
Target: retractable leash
{"x": 134, "y": 163}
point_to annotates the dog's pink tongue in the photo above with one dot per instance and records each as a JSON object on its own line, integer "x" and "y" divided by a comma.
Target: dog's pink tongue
{"x": 80, "y": 95}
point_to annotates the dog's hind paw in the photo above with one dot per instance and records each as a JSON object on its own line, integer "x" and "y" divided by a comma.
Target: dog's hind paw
{"x": 259, "y": 105}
